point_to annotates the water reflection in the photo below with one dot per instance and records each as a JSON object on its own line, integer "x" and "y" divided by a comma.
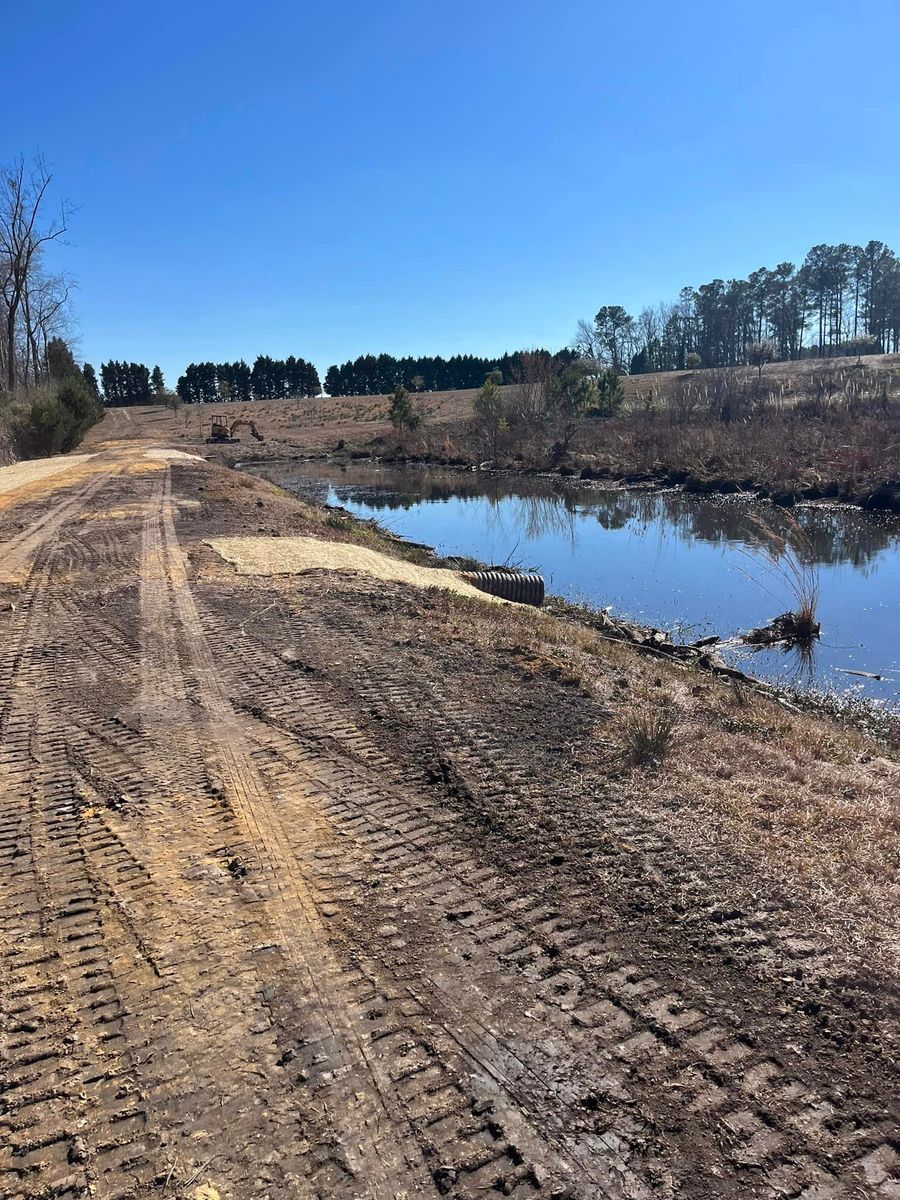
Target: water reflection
{"x": 663, "y": 558}
{"x": 824, "y": 535}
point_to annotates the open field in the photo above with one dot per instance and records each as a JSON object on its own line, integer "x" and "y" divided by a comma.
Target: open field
{"x": 797, "y": 442}
{"x": 325, "y": 885}
{"x": 308, "y": 426}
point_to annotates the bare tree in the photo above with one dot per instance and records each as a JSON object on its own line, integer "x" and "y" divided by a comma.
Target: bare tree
{"x": 586, "y": 341}
{"x": 532, "y": 377}
{"x": 23, "y": 193}
{"x": 44, "y": 317}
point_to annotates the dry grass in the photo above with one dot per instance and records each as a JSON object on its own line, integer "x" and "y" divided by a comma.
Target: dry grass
{"x": 806, "y": 425}
{"x": 788, "y": 561}
{"x": 806, "y": 798}
{"x": 648, "y": 734}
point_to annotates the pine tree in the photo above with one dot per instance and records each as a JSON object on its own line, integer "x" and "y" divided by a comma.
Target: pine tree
{"x": 156, "y": 381}
{"x": 109, "y": 374}
{"x": 60, "y": 362}
{"x": 90, "y": 380}
{"x": 333, "y": 380}
{"x": 402, "y": 413}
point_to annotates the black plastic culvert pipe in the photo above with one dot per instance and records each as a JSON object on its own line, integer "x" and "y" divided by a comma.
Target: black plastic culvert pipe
{"x": 509, "y": 585}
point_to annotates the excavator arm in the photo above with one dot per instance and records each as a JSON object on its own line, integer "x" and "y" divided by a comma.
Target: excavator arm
{"x": 220, "y": 431}
{"x": 251, "y": 426}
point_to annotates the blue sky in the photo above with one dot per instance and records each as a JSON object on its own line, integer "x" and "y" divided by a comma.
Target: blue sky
{"x": 330, "y": 180}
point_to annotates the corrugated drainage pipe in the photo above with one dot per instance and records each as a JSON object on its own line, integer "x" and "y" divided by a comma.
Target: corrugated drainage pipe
{"x": 509, "y": 585}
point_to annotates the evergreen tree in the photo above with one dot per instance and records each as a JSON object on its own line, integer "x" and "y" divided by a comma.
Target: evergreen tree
{"x": 125, "y": 383}
{"x": 491, "y": 413}
{"x": 60, "y": 362}
{"x": 240, "y": 375}
{"x": 156, "y": 381}
{"x": 90, "y": 380}
{"x": 402, "y": 413}
{"x": 80, "y": 409}
{"x": 138, "y": 377}
{"x": 333, "y": 381}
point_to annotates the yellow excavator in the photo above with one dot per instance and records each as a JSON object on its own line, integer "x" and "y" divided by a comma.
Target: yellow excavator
{"x": 223, "y": 433}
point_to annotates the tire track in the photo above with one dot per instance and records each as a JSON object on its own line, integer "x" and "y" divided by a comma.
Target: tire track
{"x": 759, "y": 1114}
{"x": 73, "y": 1121}
{"x": 375, "y": 1138}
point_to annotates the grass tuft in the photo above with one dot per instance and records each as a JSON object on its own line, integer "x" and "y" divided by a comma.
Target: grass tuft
{"x": 649, "y": 735}
{"x": 788, "y": 559}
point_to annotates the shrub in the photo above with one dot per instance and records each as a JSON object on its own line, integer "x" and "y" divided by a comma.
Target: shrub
{"x": 40, "y": 426}
{"x": 53, "y": 422}
{"x": 402, "y": 413}
{"x": 81, "y": 408}
{"x": 692, "y": 361}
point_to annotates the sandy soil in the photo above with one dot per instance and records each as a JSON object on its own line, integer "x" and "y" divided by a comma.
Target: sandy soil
{"x": 322, "y": 885}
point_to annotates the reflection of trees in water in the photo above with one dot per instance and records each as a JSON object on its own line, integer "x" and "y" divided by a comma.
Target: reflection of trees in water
{"x": 817, "y": 535}
{"x": 542, "y": 507}
{"x": 537, "y": 516}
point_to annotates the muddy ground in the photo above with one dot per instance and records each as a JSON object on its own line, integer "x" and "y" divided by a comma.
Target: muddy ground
{"x": 323, "y": 886}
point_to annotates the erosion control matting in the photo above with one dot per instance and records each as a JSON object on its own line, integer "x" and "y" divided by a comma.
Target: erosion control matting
{"x": 293, "y": 555}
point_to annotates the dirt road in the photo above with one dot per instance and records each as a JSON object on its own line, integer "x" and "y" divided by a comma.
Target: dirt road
{"x": 299, "y": 897}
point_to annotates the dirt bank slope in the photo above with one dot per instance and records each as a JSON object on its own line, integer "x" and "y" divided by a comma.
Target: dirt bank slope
{"x": 325, "y": 886}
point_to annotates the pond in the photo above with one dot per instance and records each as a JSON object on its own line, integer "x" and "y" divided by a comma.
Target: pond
{"x": 691, "y": 565}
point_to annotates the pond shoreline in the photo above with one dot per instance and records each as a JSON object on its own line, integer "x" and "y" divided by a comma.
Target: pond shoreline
{"x": 881, "y": 722}
{"x": 884, "y": 498}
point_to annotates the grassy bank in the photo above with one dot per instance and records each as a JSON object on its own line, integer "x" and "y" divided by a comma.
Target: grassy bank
{"x": 832, "y": 431}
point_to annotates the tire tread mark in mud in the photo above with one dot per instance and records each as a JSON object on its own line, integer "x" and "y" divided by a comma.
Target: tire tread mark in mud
{"x": 73, "y": 1119}
{"x": 378, "y": 1142}
{"x": 630, "y": 1011}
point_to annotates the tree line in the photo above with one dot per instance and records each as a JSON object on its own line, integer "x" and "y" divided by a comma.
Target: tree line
{"x": 48, "y": 401}
{"x": 379, "y": 374}
{"x": 125, "y": 384}
{"x": 268, "y": 379}
{"x": 842, "y": 299}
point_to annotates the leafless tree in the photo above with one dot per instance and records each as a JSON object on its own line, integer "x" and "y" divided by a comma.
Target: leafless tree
{"x": 532, "y": 377}
{"x": 44, "y": 316}
{"x": 586, "y": 342}
{"x": 23, "y": 196}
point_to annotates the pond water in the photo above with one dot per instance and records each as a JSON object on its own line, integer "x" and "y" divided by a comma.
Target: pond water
{"x": 691, "y": 565}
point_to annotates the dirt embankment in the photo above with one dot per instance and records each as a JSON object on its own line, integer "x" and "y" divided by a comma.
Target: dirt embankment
{"x": 328, "y": 885}
{"x": 818, "y": 429}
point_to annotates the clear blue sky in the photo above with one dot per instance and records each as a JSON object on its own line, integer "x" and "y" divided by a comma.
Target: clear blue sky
{"x": 334, "y": 179}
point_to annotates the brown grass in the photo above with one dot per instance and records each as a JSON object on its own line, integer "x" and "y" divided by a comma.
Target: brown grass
{"x": 805, "y": 426}
{"x": 811, "y": 799}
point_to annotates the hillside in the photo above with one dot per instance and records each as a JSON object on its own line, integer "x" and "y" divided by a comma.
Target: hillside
{"x": 809, "y": 438}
